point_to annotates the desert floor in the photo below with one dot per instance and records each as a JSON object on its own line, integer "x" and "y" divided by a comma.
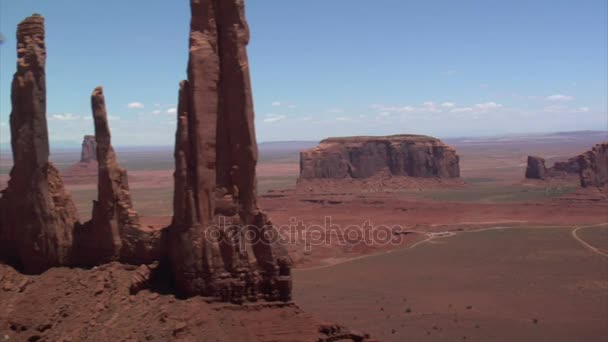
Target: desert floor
{"x": 492, "y": 257}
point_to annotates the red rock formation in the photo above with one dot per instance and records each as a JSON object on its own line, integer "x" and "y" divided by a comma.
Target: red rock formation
{"x": 215, "y": 183}
{"x": 113, "y": 232}
{"x": 89, "y": 149}
{"x": 536, "y": 168}
{"x": 593, "y": 166}
{"x": 37, "y": 215}
{"x": 565, "y": 168}
{"x": 363, "y": 157}
{"x": 85, "y": 171}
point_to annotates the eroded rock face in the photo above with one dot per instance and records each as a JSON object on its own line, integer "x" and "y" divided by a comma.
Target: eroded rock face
{"x": 593, "y": 166}
{"x": 216, "y": 153}
{"x": 103, "y": 238}
{"x": 363, "y": 157}
{"x": 569, "y": 167}
{"x": 89, "y": 149}
{"x": 37, "y": 215}
{"x": 536, "y": 168}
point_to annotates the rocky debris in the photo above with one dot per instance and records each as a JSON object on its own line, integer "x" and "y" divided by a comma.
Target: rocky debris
{"x": 215, "y": 204}
{"x": 364, "y": 157}
{"x": 536, "y": 168}
{"x": 334, "y": 332}
{"x": 142, "y": 278}
{"x": 89, "y": 149}
{"x": 593, "y": 166}
{"x": 58, "y": 307}
{"x": 37, "y": 215}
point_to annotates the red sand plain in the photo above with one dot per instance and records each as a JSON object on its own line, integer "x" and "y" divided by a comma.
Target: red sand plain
{"x": 443, "y": 278}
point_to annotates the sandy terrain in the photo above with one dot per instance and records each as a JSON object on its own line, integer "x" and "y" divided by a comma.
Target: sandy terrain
{"x": 498, "y": 285}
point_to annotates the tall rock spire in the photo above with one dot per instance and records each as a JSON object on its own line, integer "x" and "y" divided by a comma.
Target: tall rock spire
{"x": 215, "y": 183}
{"x": 37, "y": 215}
{"x": 104, "y": 237}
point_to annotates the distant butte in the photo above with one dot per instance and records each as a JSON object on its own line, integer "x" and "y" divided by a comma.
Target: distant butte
{"x": 363, "y": 157}
{"x": 84, "y": 171}
{"x": 591, "y": 167}
{"x": 89, "y": 149}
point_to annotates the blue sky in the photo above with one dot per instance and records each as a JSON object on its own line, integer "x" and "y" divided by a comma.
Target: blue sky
{"x": 325, "y": 68}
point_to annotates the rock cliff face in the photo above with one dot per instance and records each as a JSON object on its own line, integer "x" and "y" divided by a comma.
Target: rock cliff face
{"x": 593, "y": 166}
{"x": 536, "y": 168}
{"x": 215, "y": 183}
{"x": 363, "y": 157}
{"x": 36, "y": 214}
{"x": 89, "y": 149}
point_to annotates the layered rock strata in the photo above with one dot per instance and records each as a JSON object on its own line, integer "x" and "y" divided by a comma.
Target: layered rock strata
{"x": 220, "y": 244}
{"x": 37, "y": 215}
{"x": 364, "y": 157}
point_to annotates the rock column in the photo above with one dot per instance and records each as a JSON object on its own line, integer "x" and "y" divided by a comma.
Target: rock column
{"x": 37, "y": 215}
{"x": 215, "y": 182}
{"x": 89, "y": 149}
{"x": 536, "y": 168}
{"x": 113, "y": 213}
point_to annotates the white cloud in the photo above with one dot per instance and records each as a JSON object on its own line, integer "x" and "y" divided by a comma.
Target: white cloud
{"x": 554, "y": 109}
{"x": 581, "y": 110}
{"x": 270, "y": 118}
{"x": 342, "y": 118}
{"x": 66, "y": 117}
{"x": 450, "y": 72}
{"x": 335, "y": 110}
{"x": 448, "y": 104}
{"x": 156, "y": 112}
{"x": 430, "y": 106}
{"x": 487, "y": 105}
{"x": 135, "y": 105}
{"x": 392, "y": 109}
{"x": 462, "y": 110}
{"x": 292, "y": 106}
{"x": 276, "y": 104}
{"x": 172, "y": 111}
{"x": 560, "y": 98}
